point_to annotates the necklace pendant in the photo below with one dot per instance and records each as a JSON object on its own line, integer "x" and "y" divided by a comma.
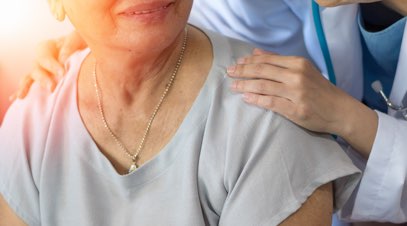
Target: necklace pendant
{"x": 133, "y": 168}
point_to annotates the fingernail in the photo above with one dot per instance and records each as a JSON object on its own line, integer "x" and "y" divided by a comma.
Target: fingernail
{"x": 231, "y": 70}
{"x": 247, "y": 97}
{"x": 241, "y": 60}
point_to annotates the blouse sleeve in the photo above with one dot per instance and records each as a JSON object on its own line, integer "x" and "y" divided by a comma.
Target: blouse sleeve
{"x": 21, "y": 147}
{"x": 275, "y": 166}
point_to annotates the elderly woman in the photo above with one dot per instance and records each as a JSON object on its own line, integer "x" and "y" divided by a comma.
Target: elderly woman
{"x": 144, "y": 130}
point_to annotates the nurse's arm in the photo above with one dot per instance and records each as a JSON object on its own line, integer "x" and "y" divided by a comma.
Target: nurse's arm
{"x": 294, "y": 88}
{"x": 7, "y": 215}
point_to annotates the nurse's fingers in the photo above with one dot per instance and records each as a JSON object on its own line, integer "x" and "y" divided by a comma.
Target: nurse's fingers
{"x": 69, "y": 44}
{"x": 46, "y": 67}
{"x": 285, "y": 69}
{"x": 259, "y": 71}
{"x": 24, "y": 87}
{"x": 263, "y": 57}
{"x": 37, "y": 75}
{"x": 276, "y": 104}
{"x": 43, "y": 77}
{"x": 47, "y": 59}
{"x": 261, "y": 87}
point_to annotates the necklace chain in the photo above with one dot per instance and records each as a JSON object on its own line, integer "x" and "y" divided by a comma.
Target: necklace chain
{"x": 119, "y": 143}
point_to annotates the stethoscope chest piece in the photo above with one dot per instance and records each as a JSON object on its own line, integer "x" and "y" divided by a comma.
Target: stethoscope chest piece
{"x": 402, "y": 109}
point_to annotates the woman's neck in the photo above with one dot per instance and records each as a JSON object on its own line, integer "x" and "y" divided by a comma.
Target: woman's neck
{"x": 131, "y": 77}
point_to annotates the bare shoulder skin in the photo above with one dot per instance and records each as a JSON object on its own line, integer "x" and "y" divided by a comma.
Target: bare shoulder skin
{"x": 316, "y": 211}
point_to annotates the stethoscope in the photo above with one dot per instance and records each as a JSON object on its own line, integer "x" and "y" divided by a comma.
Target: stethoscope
{"x": 377, "y": 86}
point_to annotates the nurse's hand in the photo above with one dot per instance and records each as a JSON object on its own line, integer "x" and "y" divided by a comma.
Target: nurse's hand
{"x": 290, "y": 86}
{"x": 49, "y": 66}
{"x": 294, "y": 88}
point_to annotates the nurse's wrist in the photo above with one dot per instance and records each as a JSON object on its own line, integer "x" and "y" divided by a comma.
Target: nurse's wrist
{"x": 360, "y": 127}
{"x": 343, "y": 108}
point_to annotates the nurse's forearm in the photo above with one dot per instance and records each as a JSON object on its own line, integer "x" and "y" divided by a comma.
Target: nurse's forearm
{"x": 359, "y": 126}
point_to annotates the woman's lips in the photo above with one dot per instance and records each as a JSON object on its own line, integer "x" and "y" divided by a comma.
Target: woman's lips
{"x": 146, "y": 9}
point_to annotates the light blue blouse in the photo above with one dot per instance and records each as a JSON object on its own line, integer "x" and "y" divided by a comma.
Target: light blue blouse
{"x": 380, "y": 57}
{"x": 228, "y": 163}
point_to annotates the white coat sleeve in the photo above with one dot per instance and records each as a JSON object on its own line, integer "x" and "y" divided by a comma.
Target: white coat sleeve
{"x": 382, "y": 193}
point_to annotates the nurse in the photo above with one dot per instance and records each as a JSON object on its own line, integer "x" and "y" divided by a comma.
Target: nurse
{"x": 295, "y": 89}
{"x": 333, "y": 40}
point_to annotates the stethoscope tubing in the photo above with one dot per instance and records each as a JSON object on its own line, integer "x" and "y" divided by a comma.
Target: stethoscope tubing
{"x": 323, "y": 43}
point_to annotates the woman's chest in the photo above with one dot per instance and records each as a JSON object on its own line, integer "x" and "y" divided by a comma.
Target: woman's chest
{"x": 79, "y": 186}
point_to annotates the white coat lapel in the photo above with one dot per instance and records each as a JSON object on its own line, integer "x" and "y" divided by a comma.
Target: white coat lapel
{"x": 399, "y": 88}
{"x": 343, "y": 39}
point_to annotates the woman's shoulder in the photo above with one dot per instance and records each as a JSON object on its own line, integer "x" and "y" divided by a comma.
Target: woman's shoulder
{"x": 40, "y": 99}
{"x": 30, "y": 118}
{"x": 25, "y": 132}
{"x": 226, "y": 51}
{"x": 260, "y": 146}
{"x": 263, "y": 153}
{"x": 227, "y": 47}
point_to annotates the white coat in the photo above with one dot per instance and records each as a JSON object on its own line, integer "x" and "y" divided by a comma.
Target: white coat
{"x": 287, "y": 26}
{"x": 382, "y": 193}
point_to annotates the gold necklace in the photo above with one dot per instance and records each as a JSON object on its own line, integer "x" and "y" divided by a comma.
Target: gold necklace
{"x": 134, "y": 157}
